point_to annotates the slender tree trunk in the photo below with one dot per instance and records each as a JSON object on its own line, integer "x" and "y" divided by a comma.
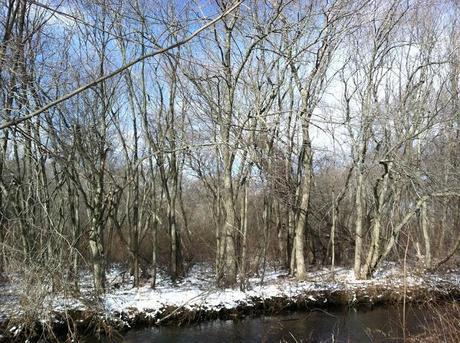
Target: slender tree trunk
{"x": 426, "y": 234}
{"x": 290, "y": 264}
{"x": 334, "y": 213}
{"x": 75, "y": 229}
{"x": 267, "y": 216}
{"x": 244, "y": 230}
{"x": 281, "y": 235}
{"x": 175, "y": 253}
{"x": 219, "y": 240}
{"x": 97, "y": 253}
{"x": 154, "y": 251}
{"x": 359, "y": 223}
{"x": 229, "y": 263}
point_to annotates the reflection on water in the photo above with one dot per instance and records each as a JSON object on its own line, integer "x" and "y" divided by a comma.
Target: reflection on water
{"x": 381, "y": 324}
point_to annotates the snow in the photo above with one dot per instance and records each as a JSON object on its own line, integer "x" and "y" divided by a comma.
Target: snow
{"x": 197, "y": 290}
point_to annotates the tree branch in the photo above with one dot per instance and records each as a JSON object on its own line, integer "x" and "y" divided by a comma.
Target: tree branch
{"x": 119, "y": 70}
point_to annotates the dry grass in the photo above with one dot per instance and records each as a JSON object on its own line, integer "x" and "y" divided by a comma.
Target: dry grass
{"x": 442, "y": 325}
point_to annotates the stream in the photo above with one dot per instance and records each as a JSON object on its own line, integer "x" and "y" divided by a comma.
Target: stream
{"x": 380, "y": 324}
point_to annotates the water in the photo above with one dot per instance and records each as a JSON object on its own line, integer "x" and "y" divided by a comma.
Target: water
{"x": 381, "y": 324}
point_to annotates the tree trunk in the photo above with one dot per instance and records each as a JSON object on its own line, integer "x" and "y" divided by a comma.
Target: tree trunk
{"x": 267, "y": 216}
{"x": 380, "y": 194}
{"x": 97, "y": 253}
{"x": 228, "y": 230}
{"x": 154, "y": 251}
{"x": 281, "y": 234}
{"x": 175, "y": 249}
{"x": 244, "y": 230}
{"x": 334, "y": 213}
{"x": 303, "y": 206}
{"x": 359, "y": 223}
{"x": 426, "y": 234}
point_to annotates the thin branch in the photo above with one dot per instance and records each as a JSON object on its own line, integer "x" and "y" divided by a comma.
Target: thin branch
{"x": 119, "y": 70}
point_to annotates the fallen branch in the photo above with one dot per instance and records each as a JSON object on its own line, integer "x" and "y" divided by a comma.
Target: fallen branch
{"x": 180, "y": 307}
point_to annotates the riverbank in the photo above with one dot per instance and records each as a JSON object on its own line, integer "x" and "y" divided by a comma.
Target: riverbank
{"x": 383, "y": 323}
{"x": 195, "y": 299}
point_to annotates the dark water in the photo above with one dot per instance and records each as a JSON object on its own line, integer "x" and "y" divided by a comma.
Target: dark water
{"x": 381, "y": 324}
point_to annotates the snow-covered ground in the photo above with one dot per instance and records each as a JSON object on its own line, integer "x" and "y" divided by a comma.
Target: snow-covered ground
{"x": 197, "y": 290}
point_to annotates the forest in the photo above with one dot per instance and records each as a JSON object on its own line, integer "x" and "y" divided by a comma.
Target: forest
{"x": 247, "y": 135}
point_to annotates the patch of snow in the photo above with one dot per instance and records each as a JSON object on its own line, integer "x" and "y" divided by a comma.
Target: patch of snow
{"x": 197, "y": 290}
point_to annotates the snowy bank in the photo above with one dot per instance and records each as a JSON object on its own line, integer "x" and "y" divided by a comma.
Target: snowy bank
{"x": 195, "y": 297}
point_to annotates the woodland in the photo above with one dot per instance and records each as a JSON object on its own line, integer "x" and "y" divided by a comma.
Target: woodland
{"x": 158, "y": 135}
